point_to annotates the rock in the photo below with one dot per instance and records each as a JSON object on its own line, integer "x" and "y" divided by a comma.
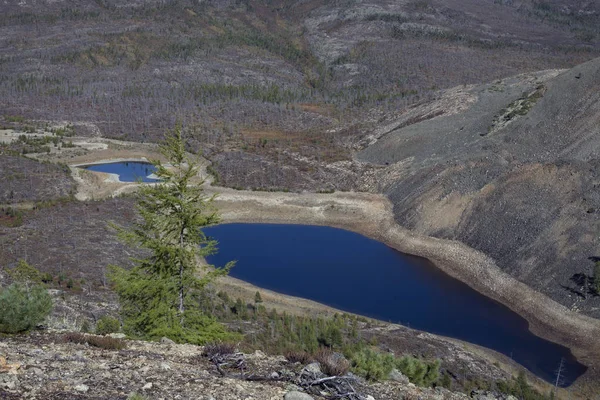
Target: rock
{"x": 274, "y": 375}
{"x": 166, "y": 340}
{"x": 369, "y": 397}
{"x": 482, "y": 395}
{"x": 147, "y": 386}
{"x": 117, "y": 335}
{"x": 315, "y": 368}
{"x": 259, "y": 354}
{"x": 165, "y": 367}
{"x": 398, "y": 376}
{"x": 82, "y": 388}
{"x": 239, "y": 388}
{"x": 294, "y": 395}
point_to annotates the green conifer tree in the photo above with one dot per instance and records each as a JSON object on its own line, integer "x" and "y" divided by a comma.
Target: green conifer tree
{"x": 159, "y": 295}
{"x": 258, "y": 298}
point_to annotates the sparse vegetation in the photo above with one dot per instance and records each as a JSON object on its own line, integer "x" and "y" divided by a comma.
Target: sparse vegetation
{"x": 23, "y": 307}
{"x": 372, "y": 365}
{"x": 332, "y": 363}
{"x": 102, "y": 342}
{"x": 107, "y": 324}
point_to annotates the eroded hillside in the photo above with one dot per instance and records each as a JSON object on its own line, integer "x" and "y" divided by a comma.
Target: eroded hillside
{"x": 515, "y": 176}
{"x": 264, "y": 84}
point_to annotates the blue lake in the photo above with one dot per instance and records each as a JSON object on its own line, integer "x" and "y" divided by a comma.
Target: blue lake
{"x": 353, "y": 273}
{"x": 128, "y": 171}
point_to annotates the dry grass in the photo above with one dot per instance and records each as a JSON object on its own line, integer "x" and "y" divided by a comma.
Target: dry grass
{"x": 102, "y": 342}
{"x": 218, "y": 349}
{"x": 299, "y": 356}
{"x": 332, "y": 363}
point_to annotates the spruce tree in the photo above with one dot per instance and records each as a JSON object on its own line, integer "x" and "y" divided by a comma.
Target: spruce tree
{"x": 257, "y": 298}
{"x": 159, "y": 296}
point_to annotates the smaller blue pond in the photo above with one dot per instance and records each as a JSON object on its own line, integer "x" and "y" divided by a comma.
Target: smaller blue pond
{"x": 356, "y": 274}
{"x": 128, "y": 171}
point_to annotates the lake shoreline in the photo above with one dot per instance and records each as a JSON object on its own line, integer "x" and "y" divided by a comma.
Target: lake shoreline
{"x": 371, "y": 215}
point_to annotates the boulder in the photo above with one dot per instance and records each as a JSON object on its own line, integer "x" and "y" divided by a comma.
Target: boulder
{"x": 315, "y": 368}
{"x": 166, "y": 340}
{"x": 294, "y": 395}
{"x": 398, "y": 376}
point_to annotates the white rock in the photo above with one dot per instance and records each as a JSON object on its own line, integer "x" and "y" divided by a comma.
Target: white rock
{"x": 297, "y": 396}
{"x": 82, "y": 388}
{"x": 117, "y": 335}
{"x": 313, "y": 367}
{"x": 147, "y": 386}
{"x": 240, "y": 388}
{"x": 166, "y": 340}
{"x": 398, "y": 376}
{"x": 165, "y": 367}
{"x": 10, "y": 385}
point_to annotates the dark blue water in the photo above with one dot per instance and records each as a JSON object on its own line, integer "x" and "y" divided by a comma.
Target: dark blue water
{"x": 128, "y": 171}
{"x": 348, "y": 271}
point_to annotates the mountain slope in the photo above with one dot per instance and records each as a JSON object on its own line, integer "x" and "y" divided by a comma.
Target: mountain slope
{"x": 516, "y": 176}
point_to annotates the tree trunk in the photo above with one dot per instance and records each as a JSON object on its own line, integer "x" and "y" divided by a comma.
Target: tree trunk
{"x": 181, "y": 307}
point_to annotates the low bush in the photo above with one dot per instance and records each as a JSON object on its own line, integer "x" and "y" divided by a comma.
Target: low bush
{"x": 298, "y": 356}
{"x": 521, "y": 389}
{"x": 102, "y": 342}
{"x": 372, "y": 365}
{"x": 22, "y": 307}
{"x": 419, "y": 372}
{"x": 218, "y": 349}
{"x": 332, "y": 363}
{"x": 107, "y": 324}
{"x": 376, "y": 366}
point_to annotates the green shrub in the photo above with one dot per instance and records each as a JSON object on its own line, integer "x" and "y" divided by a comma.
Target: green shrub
{"x": 85, "y": 327}
{"x": 23, "y": 307}
{"x": 419, "y": 372}
{"x": 519, "y": 388}
{"x": 107, "y": 324}
{"x": 25, "y": 273}
{"x": 372, "y": 365}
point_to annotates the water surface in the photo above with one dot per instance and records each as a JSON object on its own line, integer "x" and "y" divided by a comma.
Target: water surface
{"x": 128, "y": 171}
{"x": 353, "y": 273}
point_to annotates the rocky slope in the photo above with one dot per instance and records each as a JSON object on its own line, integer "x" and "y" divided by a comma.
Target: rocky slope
{"x": 515, "y": 175}
{"x": 250, "y": 79}
{"x": 48, "y": 366}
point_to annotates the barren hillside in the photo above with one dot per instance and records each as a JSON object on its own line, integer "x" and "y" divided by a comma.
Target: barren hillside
{"x": 515, "y": 176}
